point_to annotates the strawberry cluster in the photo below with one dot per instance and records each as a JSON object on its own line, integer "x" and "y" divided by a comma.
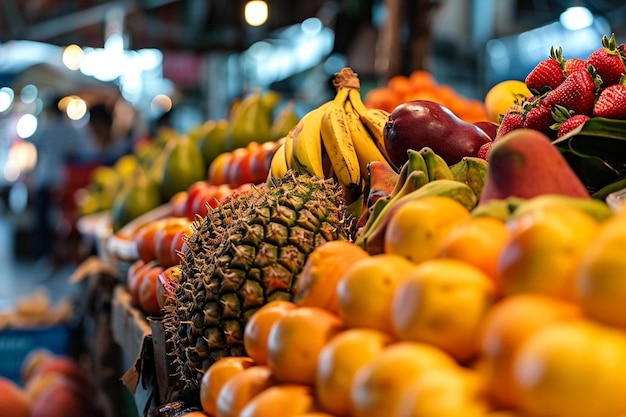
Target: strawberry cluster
{"x": 567, "y": 92}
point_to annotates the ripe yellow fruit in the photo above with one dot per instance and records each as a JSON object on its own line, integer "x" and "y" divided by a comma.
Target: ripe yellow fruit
{"x": 601, "y": 280}
{"x": 257, "y": 329}
{"x": 445, "y": 392}
{"x": 573, "y": 369}
{"x": 505, "y": 327}
{"x": 417, "y": 228}
{"x": 502, "y": 96}
{"x": 285, "y": 400}
{"x": 216, "y": 376}
{"x": 478, "y": 241}
{"x": 338, "y": 362}
{"x": 237, "y": 392}
{"x": 366, "y": 289}
{"x": 378, "y": 386}
{"x": 545, "y": 250}
{"x": 324, "y": 267}
{"x": 443, "y": 302}
{"x": 296, "y": 340}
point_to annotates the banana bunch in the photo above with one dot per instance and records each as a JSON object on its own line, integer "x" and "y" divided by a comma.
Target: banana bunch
{"x": 336, "y": 140}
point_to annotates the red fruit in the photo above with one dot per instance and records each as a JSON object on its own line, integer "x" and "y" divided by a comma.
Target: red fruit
{"x": 547, "y": 73}
{"x": 607, "y": 61}
{"x": 576, "y": 93}
{"x": 148, "y": 300}
{"x": 611, "y": 103}
{"x": 574, "y": 64}
{"x": 571, "y": 124}
{"x": 64, "y": 400}
{"x": 13, "y": 400}
{"x": 483, "y": 152}
{"x": 540, "y": 118}
{"x": 512, "y": 119}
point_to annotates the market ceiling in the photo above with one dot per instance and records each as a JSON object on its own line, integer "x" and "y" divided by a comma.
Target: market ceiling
{"x": 193, "y": 25}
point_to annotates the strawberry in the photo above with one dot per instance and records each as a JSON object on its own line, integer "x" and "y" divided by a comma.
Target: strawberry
{"x": 611, "y": 103}
{"x": 511, "y": 120}
{"x": 540, "y": 118}
{"x": 577, "y": 93}
{"x": 574, "y": 64}
{"x": 571, "y": 124}
{"x": 483, "y": 151}
{"x": 608, "y": 61}
{"x": 547, "y": 74}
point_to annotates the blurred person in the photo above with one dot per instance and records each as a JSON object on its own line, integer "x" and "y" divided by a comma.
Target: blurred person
{"x": 58, "y": 144}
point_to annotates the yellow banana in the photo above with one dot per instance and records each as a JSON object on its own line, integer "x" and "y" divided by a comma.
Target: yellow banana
{"x": 289, "y": 145}
{"x": 366, "y": 149}
{"x": 307, "y": 143}
{"x": 278, "y": 164}
{"x": 373, "y": 119}
{"x": 338, "y": 143}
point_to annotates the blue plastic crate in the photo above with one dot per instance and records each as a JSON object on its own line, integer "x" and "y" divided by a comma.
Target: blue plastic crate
{"x": 15, "y": 344}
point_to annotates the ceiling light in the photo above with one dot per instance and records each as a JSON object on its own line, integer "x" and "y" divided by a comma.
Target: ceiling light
{"x": 576, "y": 18}
{"x": 256, "y": 12}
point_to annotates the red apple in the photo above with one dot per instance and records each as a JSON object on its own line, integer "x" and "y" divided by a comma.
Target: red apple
{"x": 69, "y": 368}
{"x": 64, "y": 400}
{"x": 136, "y": 273}
{"x": 259, "y": 165}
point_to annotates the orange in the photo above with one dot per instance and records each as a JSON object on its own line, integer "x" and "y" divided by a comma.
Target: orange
{"x": 601, "y": 279}
{"x": 378, "y": 385}
{"x": 258, "y": 327}
{"x": 446, "y": 392}
{"x": 366, "y": 289}
{"x": 239, "y": 390}
{"x": 506, "y": 326}
{"x": 572, "y": 369}
{"x": 478, "y": 241}
{"x": 442, "y": 302}
{"x": 339, "y": 360}
{"x": 417, "y": 228}
{"x": 545, "y": 250}
{"x": 285, "y": 400}
{"x": 317, "y": 283}
{"x": 296, "y": 340}
{"x": 216, "y": 376}
{"x": 502, "y": 96}
{"x": 421, "y": 79}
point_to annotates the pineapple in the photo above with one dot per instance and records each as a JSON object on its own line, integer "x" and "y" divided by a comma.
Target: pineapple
{"x": 243, "y": 254}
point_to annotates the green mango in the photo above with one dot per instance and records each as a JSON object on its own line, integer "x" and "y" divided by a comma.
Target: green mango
{"x": 212, "y": 143}
{"x": 251, "y": 122}
{"x": 182, "y": 166}
{"x": 285, "y": 120}
{"x": 137, "y": 197}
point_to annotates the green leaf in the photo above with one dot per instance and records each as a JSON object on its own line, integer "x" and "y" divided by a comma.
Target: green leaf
{"x": 596, "y": 151}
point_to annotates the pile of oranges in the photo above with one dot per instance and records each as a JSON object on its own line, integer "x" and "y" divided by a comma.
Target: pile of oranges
{"x": 483, "y": 323}
{"x": 422, "y": 85}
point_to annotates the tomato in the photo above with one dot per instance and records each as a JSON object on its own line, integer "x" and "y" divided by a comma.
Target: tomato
{"x": 164, "y": 238}
{"x": 147, "y": 292}
{"x": 135, "y": 276}
{"x": 145, "y": 241}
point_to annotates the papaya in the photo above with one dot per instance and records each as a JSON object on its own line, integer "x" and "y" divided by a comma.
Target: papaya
{"x": 212, "y": 142}
{"x": 183, "y": 165}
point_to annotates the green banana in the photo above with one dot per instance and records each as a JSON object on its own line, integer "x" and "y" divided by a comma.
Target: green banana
{"x": 414, "y": 181}
{"x": 597, "y": 209}
{"x": 500, "y": 209}
{"x": 437, "y": 167}
{"x": 415, "y": 162}
{"x": 472, "y": 171}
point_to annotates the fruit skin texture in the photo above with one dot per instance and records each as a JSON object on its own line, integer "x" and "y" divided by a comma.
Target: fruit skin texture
{"x": 571, "y": 124}
{"x": 237, "y": 392}
{"x": 524, "y": 163}
{"x": 422, "y": 123}
{"x": 607, "y": 61}
{"x": 271, "y": 229}
{"x": 502, "y": 96}
{"x": 547, "y": 73}
{"x": 286, "y": 400}
{"x": 13, "y": 400}
{"x": 572, "y": 369}
{"x": 545, "y": 250}
{"x": 442, "y": 302}
{"x": 216, "y": 376}
{"x": 611, "y": 103}
{"x": 258, "y": 328}
{"x": 576, "y": 93}
{"x": 378, "y": 386}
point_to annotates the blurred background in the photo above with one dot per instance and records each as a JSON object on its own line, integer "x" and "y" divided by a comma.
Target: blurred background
{"x": 138, "y": 63}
